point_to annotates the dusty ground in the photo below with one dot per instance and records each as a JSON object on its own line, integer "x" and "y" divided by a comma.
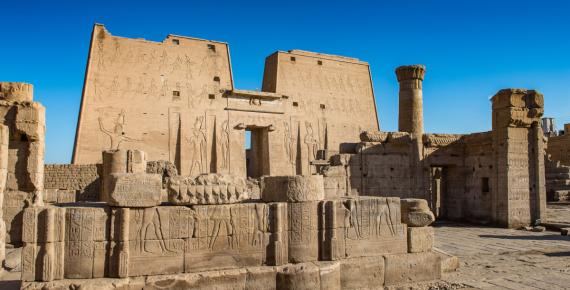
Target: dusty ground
{"x": 491, "y": 258}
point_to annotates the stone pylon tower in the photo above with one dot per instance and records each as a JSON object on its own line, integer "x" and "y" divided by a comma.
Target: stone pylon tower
{"x": 410, "y": 116}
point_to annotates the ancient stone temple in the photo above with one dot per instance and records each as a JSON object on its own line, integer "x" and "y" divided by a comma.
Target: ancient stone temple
{"x": 162, "y": 192}
{"x": 176, "y": 100}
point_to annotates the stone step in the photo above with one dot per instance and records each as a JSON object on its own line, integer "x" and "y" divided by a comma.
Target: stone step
{"x": 558, "y": 182}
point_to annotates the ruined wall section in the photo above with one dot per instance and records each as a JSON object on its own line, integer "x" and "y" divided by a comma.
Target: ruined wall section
{"x": 327, "y": 99}
{"x": 81, "y": 181}
{"x": 559, "y": 148}
{"x": 161, "y": 97}
{"x": 518, "y": 146}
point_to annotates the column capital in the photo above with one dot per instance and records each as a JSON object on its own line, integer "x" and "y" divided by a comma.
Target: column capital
{"x": 411, "y": 72}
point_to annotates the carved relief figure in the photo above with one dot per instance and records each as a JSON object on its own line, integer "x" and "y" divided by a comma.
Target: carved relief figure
{"x": 117, "y": 134}
{"x": 221, "y": 216}
{"x": 351, "y": 220}
{"x": 224, "y": 141}
{"x": 311, "y": 141}
{"x": 198, "y": 144}
{"x": 150, "y": 222}
{"x": 289, "y": 143}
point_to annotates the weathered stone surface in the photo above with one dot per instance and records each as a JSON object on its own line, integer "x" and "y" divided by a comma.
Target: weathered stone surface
{"x": 207, "y": 189}
{"x": 4, "y": 134}
{"x": 16, "y": 92}
{"x": 134, "y": 189}
{"x": 304, "y": 276}
{"x": 363, "y": 226}
{"x": 420, "y": 239}
{"x": 261, "y": 278}
{"x": 329, "y": 275}
{"x": 83, "y": 180}
{"x": 416, "y": 212}
{"x": 292, "y": 188}
{"x": 408, "y": 268}
{"x": 303, "y": 231}
{"x": 362, "y": 273}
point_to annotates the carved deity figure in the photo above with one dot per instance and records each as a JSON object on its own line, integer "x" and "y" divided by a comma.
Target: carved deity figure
{"x": 289, "y": 143}
{"x": 117, "y": 134}
{"x": 198, "y": 144}
{"x": 351, "y": 221}
{"x": 224, "y": 141}
{"x": 311, "y": 141}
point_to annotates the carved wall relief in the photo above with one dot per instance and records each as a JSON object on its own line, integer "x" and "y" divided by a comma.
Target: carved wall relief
{"x": 224, "y": 143}
{"x": 117, "y": 134}
{"x": 198, "y": 146}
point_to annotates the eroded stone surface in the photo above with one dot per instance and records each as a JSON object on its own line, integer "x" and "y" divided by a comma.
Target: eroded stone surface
{"x": 207, "y": 189}
{"x": 292, "y": 188}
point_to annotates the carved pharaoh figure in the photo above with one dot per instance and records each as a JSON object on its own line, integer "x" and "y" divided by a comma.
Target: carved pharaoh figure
{"x": 289, "y": 143}
{"x": 198, "y": 144}
{"x": 117, "y": 135}
{"x": 311, "y": 141}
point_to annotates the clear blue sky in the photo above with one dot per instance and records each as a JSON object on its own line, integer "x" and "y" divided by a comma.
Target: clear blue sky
{"x": 471, "y": 49}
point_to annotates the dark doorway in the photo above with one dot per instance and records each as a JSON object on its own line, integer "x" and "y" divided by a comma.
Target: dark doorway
{"x": 257, "y": 151}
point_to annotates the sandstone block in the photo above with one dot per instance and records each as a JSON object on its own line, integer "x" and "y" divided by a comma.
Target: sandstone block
{"x": 261, "y": 278}
{"x": 420, "y": 239}
{"x": 213, "y": 280}
{"x": 416, "y": 212}
{"x": 410, "y": 268}
{"x": 16, "y": 92}
{"x": 134, "y": 189}
{"x": 303, "y": 231}
{"x": 292, "y": 188}
{"x": 361, "y": 226}
{"x": 299, "y": 277}
{"x": 362, "y": 273}
{"x": 207, "y": 189}
{"x": 329, "y": 275}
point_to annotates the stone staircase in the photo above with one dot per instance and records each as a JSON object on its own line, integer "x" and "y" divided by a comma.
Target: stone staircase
{"x": 557, "y": 181}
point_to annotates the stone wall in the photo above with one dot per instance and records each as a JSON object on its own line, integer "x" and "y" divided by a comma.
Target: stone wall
{"x": 83, "y": 180}
{"x": 559, "y": 148}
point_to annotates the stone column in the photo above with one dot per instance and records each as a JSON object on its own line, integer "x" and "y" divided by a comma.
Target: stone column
{"x": 3, "y": 175}
{"x": 518, "y": 183}
{"x": 410, "y": 115}
{"x": 411, "y": 120}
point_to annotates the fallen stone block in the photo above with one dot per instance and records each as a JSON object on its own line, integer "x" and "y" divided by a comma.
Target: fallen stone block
{"x": 416, "y": 212}
{"x": 134, "y": 189}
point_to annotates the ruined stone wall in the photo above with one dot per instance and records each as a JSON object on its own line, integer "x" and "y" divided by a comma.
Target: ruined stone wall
{"x": 81, "y": 179}
{"x": 558, "y": 148}
{"x": 25, "y": 120}
{"x": 518, "y": 147}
